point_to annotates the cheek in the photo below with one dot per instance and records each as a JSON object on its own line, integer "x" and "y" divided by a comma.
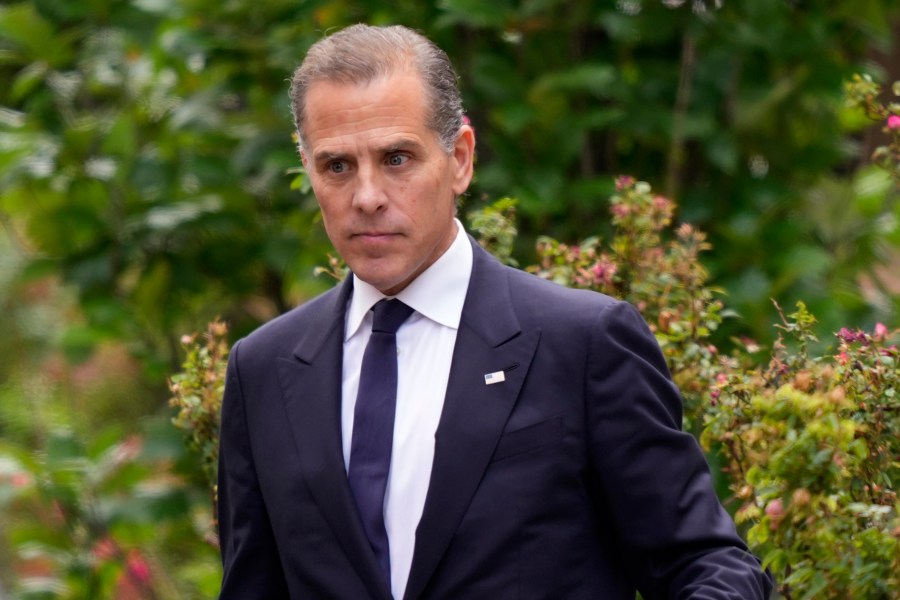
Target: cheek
{"x": 330, "y": 218}
{"x": 327, "y": 200}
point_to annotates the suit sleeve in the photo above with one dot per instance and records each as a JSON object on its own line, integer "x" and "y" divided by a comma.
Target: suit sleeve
{"x": 679, "y": 541}
{"x": 252, "y": 568}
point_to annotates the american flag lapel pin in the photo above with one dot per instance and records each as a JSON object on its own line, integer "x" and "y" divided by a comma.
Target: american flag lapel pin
{"x": 495, "y": 377}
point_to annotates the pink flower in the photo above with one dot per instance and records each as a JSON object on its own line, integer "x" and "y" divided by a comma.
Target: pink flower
{"x": 850, "y": 337}
{"x": 893, "y": 122}
{"x": 604, "y": 272}
{"x": 20, "y": 479}
{"x": 137, "y": 567}
{"x": 620, "y": 210}
{"x": 880, "y": 330}
{"x": 624, "y": 182}
{"x": 661, "y": 203}
{"x": 105, "y": 549}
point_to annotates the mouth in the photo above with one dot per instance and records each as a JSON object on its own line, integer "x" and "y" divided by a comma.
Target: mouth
{"x": 373, "y": 235}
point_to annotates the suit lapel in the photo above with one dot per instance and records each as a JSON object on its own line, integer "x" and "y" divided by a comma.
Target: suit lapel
{"x": 489, "y": 340}
{"x": 311, "y": 383}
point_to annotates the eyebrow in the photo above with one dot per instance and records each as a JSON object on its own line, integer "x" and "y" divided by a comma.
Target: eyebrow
{"x": 401, "y": 144}
{"x": 394, "y": 146}
{"x": 325, "y": 156}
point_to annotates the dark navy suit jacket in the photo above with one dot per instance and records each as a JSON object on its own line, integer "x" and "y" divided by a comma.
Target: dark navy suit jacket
{"x": 569, "y": 480}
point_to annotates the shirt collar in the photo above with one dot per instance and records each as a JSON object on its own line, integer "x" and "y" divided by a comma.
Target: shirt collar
{"x": 438, "y": 293}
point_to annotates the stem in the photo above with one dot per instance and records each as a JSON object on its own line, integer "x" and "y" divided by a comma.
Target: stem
{"x": 682, "y": 100}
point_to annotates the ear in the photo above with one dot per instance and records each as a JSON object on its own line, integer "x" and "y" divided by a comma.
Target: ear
{"x": 462, "y": 159}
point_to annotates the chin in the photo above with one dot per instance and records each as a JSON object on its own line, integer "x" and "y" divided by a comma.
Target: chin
{"x": 376, "y": 279}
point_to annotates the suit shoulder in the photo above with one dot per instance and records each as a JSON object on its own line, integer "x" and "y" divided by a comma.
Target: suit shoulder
{"x": 529, "y": 288}
{"x": 571, "y": 311}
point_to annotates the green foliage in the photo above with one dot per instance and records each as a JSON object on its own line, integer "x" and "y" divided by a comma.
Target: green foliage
{"x": 197, "y": 394}
{"x": 105, "y": 518}
{"x": 336, "y": 269}
{"x": 809, "y": 443}
{"x": 146, "y": 151}
{"x": 96, "y": 500}
{"x": 664, "y": 279}
{"x": 864, "y": 94}
{"x": 733, "y": 107}
{"x": 811, "y": 446}
{"x": 494, "y": 226}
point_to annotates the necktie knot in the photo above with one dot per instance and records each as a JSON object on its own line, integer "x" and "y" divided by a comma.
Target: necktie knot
{"x": 390, "y": 315}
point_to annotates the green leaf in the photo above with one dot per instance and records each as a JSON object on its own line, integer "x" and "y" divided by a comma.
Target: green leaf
{"x": 475, "y": 13}
{"x": 870, "y": 188}
{"x": 32, "y": 35}
{"x": 816, "y": 585}
{"x": 723, "y": 153}
{"x": 27, "y": 80}
{"x": 597, "y": 78}
{"x": 78, "y": 342}
{"x": 62, "y": 448}
{"x": 171, "y": 216}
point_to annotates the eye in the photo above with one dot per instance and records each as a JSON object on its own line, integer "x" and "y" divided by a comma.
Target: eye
{"x": 395, "y": 160}
{"x": 337, "y": 166}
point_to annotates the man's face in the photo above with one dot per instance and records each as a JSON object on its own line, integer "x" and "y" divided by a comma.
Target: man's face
{"x": 386, "y": 187}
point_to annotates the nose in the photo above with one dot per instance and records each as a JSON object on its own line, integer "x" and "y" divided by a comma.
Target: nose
{"x": 369, "y": 195}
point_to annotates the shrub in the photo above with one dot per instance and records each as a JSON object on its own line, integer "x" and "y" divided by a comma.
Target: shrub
{"x": 197, "y": 394}
{"x": 809, "y": 443}
{"x": 811, "y": 446}
{"x": 662, "y": 276}
{"x": 109, "y": 517}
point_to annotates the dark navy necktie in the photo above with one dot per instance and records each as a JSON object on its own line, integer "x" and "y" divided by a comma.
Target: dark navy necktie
{"x": 373, "y": 425}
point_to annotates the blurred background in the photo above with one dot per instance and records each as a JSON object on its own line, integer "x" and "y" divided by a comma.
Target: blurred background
{"x": 149, "y": 182}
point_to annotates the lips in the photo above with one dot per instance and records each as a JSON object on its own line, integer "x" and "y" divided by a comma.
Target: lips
{"x": 375, "y": 241}
{"x": 374, "y": 235}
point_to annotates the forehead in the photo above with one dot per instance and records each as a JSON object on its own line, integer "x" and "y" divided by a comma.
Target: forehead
{"x": 397, "y": 100}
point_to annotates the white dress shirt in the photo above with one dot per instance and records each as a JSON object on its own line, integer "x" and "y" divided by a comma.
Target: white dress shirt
{"x": 425, "y": 345}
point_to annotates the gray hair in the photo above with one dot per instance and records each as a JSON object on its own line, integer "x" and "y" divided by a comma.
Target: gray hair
{"x": 362, "y": 53}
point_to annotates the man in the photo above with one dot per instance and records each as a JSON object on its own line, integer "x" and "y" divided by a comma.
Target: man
{"x": 524, "y": 439}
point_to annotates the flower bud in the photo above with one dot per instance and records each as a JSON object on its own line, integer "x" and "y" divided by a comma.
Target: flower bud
{"x": 775, "y": 512}
{"x": 801, "y": 497}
